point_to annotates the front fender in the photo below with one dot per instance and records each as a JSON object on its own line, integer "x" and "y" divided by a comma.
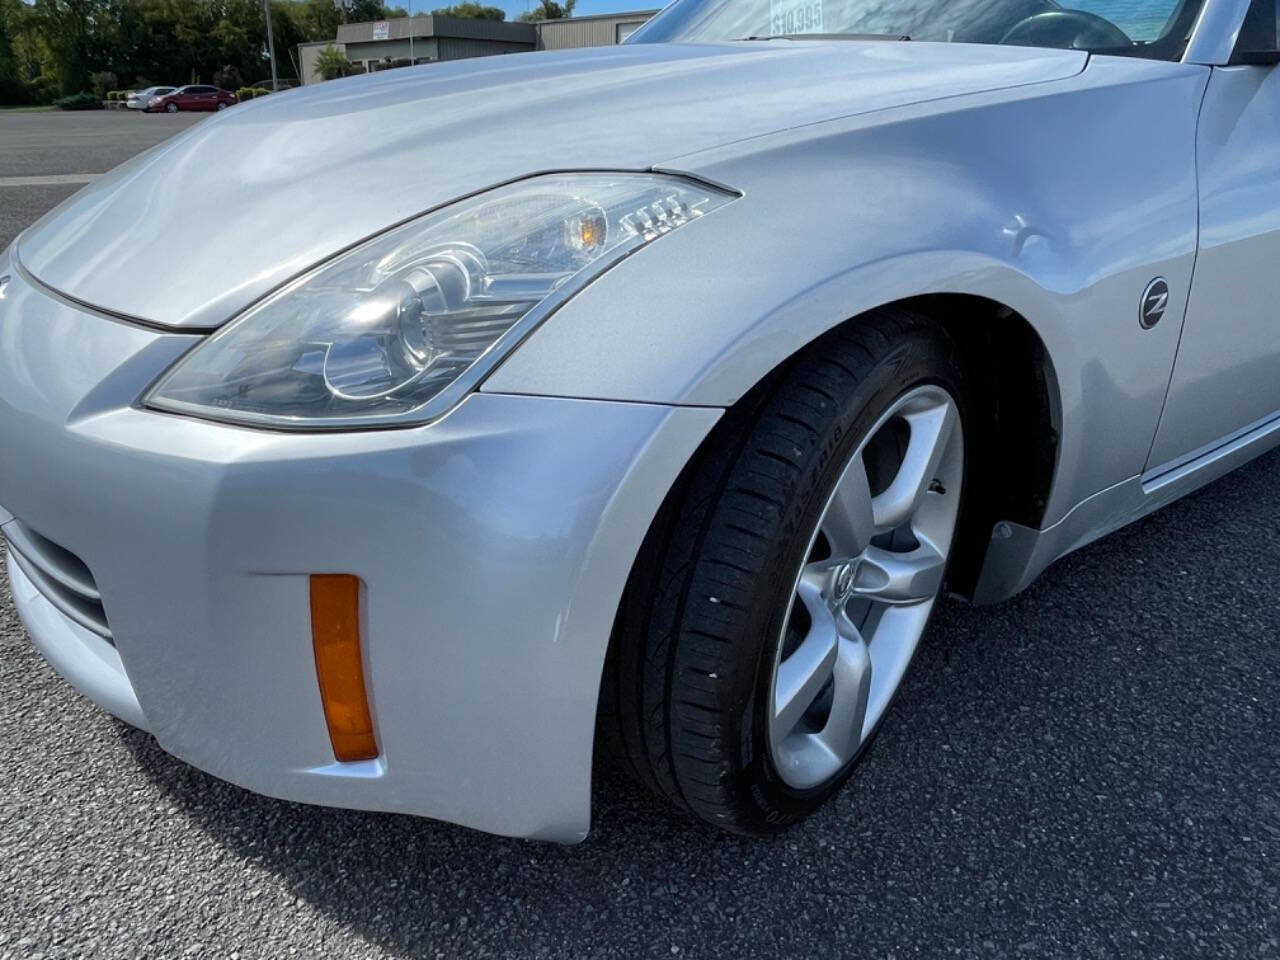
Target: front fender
{"x": 1059, "y": 200}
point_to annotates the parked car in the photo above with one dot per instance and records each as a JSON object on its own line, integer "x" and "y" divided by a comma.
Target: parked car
{"x": 140, "y": 99}
{"x": 193, "y": 97}
{"x": 679, "y": 443}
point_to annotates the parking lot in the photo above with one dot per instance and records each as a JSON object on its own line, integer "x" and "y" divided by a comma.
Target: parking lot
{"x": 45, "y": 157}
{"x": 1089, "y": 770}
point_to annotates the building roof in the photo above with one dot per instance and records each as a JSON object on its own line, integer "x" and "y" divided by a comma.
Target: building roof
{"x": 624, "y": 15}
{"x": 430, "y": 25}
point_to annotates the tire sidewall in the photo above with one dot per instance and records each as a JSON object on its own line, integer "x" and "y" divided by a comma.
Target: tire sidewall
{"x": 925, "y": 358}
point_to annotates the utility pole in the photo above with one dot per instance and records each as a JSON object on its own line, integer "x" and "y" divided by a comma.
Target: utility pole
{"x": 271, "y": 45}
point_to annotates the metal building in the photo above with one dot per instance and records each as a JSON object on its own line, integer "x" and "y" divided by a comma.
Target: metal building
{"x": 597, "y": 31}
{"x": 384, "y": 44}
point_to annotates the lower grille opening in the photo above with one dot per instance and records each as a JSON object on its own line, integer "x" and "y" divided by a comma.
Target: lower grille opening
{"x": 60, "y": 576}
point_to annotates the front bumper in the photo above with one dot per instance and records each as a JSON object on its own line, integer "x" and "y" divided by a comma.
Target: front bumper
{"x": 493, "y": 547}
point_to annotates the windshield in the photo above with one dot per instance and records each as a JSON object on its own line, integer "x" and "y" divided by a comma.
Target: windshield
{"x": 1145, "y": 28}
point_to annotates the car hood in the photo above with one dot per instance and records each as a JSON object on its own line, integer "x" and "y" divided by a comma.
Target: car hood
{"x": 196, "y": 229}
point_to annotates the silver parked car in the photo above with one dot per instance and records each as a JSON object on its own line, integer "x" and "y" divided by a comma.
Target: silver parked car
{"x": 141, "y": 99}
{"x": 657, "y": 389}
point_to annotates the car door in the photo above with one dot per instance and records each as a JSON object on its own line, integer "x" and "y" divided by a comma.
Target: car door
{"x": 1226, "y": 379}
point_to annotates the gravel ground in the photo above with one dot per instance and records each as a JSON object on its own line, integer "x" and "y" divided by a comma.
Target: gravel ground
{"x": 1089, "y": 770}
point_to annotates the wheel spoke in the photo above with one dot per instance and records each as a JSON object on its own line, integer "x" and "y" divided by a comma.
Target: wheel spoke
{"x": 931, "y": 429}
{"x": 814, "y": 588}
{"x": 802, "y": 676}
{"x": 849, "y": 523}
{"x": 890, "y": 577}
{"x": 880, "y": 558}
{"x": 842, "y": 734}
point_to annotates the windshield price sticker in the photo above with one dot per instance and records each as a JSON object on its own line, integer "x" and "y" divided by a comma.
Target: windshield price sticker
{"x": 787, "y": 17}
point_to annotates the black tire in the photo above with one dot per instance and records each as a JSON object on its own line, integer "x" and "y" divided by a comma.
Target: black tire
{"x": 687, "y": 683}
{"x": 171, "y": 107}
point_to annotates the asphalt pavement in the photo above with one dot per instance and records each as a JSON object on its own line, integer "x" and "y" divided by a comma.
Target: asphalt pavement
{"x": 70, "y": 146}
{"x": 1089, "y": 770}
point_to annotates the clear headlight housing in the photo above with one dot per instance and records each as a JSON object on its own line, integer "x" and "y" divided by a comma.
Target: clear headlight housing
{"x": 398, "y": 329}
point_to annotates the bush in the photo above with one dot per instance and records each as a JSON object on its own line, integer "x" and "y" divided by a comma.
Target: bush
{"x": 43, "y": 89}
{"x": 331, "y": 63}
{"x": 260, "y": 91}
{"x": 103, "y": 83}
{"x": 79, "y": 101}
{"x": 244, "y": 93}
{"x": 228, "y": 78}
{"x": 13, "y": 93}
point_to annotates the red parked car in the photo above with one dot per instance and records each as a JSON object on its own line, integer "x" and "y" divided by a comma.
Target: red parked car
{"x": 193, "y": 97}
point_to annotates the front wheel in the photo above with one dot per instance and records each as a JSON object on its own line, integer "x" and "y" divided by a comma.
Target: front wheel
{"x": 221, "y": 105}
{"x": 781, "y": 597}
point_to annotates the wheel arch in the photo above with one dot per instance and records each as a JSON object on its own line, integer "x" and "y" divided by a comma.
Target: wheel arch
{"x": 1012, "y": 430}
{"x": 1013, "y": 422}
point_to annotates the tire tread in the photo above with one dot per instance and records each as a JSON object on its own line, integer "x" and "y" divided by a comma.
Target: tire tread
{"x": 666, "y": 696}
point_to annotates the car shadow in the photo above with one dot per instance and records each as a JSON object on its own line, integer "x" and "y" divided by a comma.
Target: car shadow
{"x": 1056, "y": 757}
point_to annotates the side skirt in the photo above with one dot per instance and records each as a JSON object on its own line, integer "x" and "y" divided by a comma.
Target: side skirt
{"x": 1019, "y": 554}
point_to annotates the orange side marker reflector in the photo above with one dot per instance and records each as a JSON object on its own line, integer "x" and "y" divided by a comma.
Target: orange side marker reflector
{"x": 335, "y": 635}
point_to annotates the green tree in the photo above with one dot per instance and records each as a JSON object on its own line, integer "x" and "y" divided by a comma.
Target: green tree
{"x": 549, "y": 10}
{"x": 470, "y": 10}
{"x": 332, "y": 63}
{"x": 11, "y": 89}
{"x": 362, "y": 11}
{"x": 69, "y": 30}
{"x": 53, "y": 47}
{"x": 21, "y": 26}
{"x": 314, "y": 19}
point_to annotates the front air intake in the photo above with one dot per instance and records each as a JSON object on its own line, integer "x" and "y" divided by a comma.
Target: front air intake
{"x": 61, "y": 577}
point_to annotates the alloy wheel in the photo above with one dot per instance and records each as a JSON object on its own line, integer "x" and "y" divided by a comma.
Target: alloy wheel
{"x": 862, "y": 597}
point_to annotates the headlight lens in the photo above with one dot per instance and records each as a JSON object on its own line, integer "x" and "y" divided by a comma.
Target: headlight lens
{"x": 398, "y": 329}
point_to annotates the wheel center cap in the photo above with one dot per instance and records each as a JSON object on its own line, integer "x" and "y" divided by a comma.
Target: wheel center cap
{"x": 844, "y": 582}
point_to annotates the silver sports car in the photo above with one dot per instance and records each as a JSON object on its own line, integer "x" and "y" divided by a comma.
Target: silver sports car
{"x": 641, "y": 398}
{"x": 141, "y": 99}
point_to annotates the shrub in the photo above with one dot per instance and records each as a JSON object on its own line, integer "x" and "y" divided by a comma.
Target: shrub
{"x": 103, "y": 83}
{"x": 260, "y": 91}
{"x": 228, "y": 78}
{"x": 43, "y": 89}
{"x": 244, "y": 93}
{"x": 331, "y": 63}
{"x": 79, "y": 101}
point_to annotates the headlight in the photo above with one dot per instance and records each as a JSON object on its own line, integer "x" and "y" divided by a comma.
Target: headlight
{"x": 398, "y": 329}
